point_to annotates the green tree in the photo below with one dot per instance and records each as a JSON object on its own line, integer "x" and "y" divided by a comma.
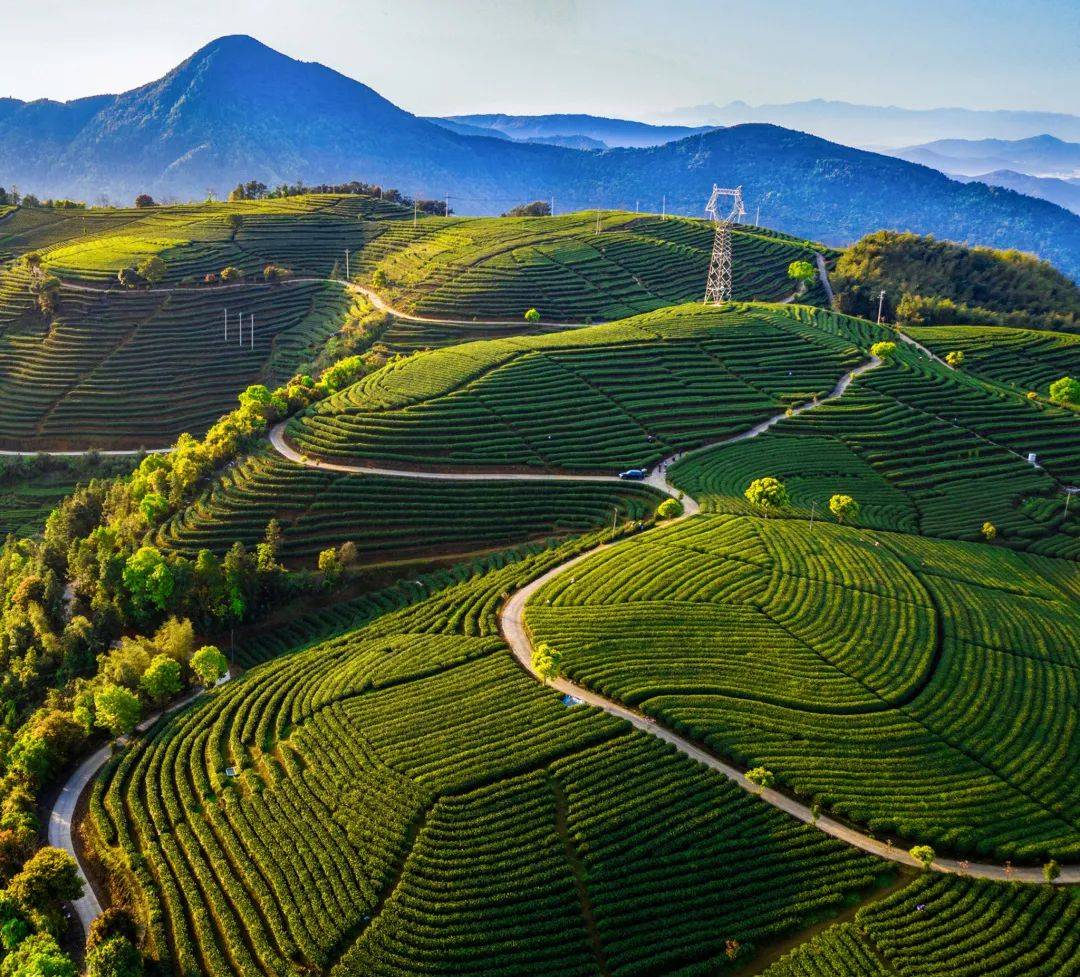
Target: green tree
{"x": 116, "y": 709}
{"x": 115, "y": 957}
{"x": 114, "y": 921}
{"x": 343, "y": 373}
{"x": 330, "y": 565}
{"x": 538, "y": 208}
{"x": 1065, "y": 391}
{"x": 844, "y": 507}
{"x": 209, "y": 665}
{"x": 230, "y": 273}
{"x": 802, "y": 272}
{"x": 176, "y": 639}
{"x": 162, "y": 679}
{"x": 669, "y": 509}
{"x": 38, "y": 956}
{"x": 532, "y": 316}
{"x": 989, "y": 531}
{"x": 154, "y": 507}
{"x": 152, "y": 268}
{"x": 144, "y": 200}
{"x": 955, "y": 358}
{"x": 767, "y": 494}
{"x": 883, "y": 349}
{"x": 148, "y": 579}
{"x": 762, "y": 777}
{"x": 924, "y": 855}
{"x": 379, "y": 279}
{"x": 546, "y": 662}
{"x": 49, "y": 878}
{"x": 234, "y": 221}
{"x": 1051, "y": 870}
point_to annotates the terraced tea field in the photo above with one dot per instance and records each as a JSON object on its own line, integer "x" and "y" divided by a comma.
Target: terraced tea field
{"x": 489, "y": 268}
{"x": 391, "y": 517}
{"x": 1027, "y": 359}
{"x": 409, "y": 758}
{"x": 135, "y": 369}
{"x": 611, "y": 396}
{"x": 924, "y": 449}
{"x": 923, "y": 688}
{"x": 946, "y": 926}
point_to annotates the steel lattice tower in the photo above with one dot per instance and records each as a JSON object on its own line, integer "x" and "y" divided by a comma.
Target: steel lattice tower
{"x": 718, "y": 286}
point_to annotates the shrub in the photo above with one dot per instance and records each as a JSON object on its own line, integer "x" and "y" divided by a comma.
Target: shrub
{"x": 669, "y": 509}
{"x": 924, "y": 855}
{"x": 989, "y": 531}
{"x": 1066, "y": 391}
{"x": 767, "y": 493}
{"x": 762, "y": 777}
{"x": 955, "y": 358}
{"x": 883, "y": 349}
{"x": 546, "y": 662}
{"x": 532, "y": 316}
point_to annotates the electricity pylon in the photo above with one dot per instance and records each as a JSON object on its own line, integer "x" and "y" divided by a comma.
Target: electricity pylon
{"x": 718, "y": 286}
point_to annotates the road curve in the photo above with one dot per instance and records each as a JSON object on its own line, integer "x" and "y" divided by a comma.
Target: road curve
{"x": 61, "y": 827}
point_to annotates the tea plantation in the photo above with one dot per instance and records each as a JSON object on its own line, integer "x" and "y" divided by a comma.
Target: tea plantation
{"x": 386, "y": 516}
{"x": 622, "y": 394}
{"x": 410, "y": 758}
{"x": 924, "y": 688}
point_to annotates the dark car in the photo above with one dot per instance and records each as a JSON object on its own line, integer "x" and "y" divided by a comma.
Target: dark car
{"x": 634, "y": 473}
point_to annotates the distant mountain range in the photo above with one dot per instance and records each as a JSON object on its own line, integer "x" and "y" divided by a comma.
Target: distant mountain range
{"x": 883, "y": 125}
{"x": 604, "y": 133}
{"x": 237, "y": 110}
{"x": 1042, "y": 155}
{"x": 1064, "y": 193}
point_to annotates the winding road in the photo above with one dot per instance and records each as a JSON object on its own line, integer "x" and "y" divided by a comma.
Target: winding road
{"x": 515, "y": 632}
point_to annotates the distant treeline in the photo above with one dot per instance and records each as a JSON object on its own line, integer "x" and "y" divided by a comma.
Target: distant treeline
{"x": 254, "y": 190}
{"x": 928, "y": 281}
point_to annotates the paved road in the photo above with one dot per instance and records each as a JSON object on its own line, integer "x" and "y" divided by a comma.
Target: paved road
{"x": 61, "y": 828}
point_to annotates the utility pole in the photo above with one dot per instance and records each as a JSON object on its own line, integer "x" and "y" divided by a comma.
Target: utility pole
{"x": 757, "y": 219}
{"x": 614, "y": 519}
{"x": 226, "y": 325}
{"x": 813, "y": 509}
{"x": 597, "y": 220}
{"x": 880, "y": 304}
{"x": 663, "y": 206}
{"x": 553, "y": 205}
{"x": 414, "y": 213}
{"x": 637, "y": 206}
{"x": 251, "y": 323}
{"x": 346, "y": 264}
{"x": 240, "y": 328}
{"x": 446, "y": 206}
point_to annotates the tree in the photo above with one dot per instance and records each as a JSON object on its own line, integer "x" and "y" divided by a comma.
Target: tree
{"x": 1051, "y": 870}
{"x": 129, "y": 278}
{"x": 148, "y": 578}
{"x": 379, "y": 279}
{"x": 532, "y": 316}
{"x": 924, "y": 855}
{"x": 234, "y": 221}
{"x": 989, "y": 531}
{"x": 348, "y": 555}
{"x": 50, "y": 877}
{"x": 154, "y": 507}
{"x": 802, "y": 272}
{"x": 144, "y": 200}
{"x": 844, "y": 507}
{"x": 162, "y": 679}
{"x": 761, "y": 776}
{"x": 38, "y": 956}
{"x": 209, "y": 665}
{"x": 1066, "y": 391}
{"x": 115, "y": 957}
{"x": 230, "y": 273}
{"x": 330, "y": 565}
{"x": 883, "y": 350}
{"x": 955, "y": 359}
{"x": 767, "y": 494}
{"x": 343, "y": 373}
{"x": 669, "y": 509}
{"x": 275, "y": 273}
{"x": 116, "y": 709}
{"x": 114, "y": 921}
{"x": 176, "y": 639}
{"x": 153, "y": 269}
{"x": 538, "y": 208}
{"x": 546, "y": 662}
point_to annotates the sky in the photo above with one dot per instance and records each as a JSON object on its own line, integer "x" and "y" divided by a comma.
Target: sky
{"x": 631, "y": 58}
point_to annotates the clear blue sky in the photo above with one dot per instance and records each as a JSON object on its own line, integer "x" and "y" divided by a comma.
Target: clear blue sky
{"x": 626, "y": 58}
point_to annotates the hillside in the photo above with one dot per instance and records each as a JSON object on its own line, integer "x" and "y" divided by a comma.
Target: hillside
{"x": 236, "y": 111}
{"x": 945, "y": 282}
{"x": 1038, "y": 156}
{"x": 609, "y": 133}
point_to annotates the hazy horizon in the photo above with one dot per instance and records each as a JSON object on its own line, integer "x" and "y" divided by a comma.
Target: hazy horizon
{"x": 629, "y": 60}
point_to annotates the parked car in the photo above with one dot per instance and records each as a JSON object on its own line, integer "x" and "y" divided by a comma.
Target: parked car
{"x": 634, "y": 473}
